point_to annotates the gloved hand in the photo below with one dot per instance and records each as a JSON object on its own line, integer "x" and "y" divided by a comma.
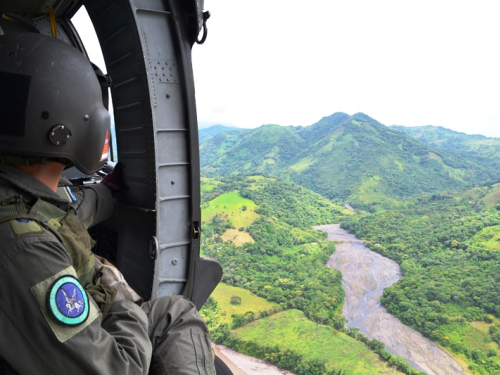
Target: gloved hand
{"x": 112, "y": 277}
{"x": 114, "y": 180}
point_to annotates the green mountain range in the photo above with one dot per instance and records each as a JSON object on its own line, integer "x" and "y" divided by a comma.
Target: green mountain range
{"x": 347, "y": 158}
{"x": 483, "y": 149}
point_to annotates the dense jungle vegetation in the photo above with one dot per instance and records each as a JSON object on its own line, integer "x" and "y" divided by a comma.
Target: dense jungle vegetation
{"x": 284, "y": 263}
{"x": 448, "y": 250}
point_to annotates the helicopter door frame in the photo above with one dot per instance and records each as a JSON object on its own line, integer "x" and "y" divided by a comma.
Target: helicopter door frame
{"x": 146, "y": 45}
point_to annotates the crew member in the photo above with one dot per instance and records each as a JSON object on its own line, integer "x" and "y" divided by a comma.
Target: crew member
{"x": 61, "y": 310}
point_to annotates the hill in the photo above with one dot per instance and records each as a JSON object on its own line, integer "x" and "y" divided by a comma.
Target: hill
{"x": 212, "y": 131}
{"x": 265, "y": 150}
{"x": 291, "y": 330}
{"x": 347, "y": 158}
{"x": 213, "y": 149}
{"x": 483, "y": 149}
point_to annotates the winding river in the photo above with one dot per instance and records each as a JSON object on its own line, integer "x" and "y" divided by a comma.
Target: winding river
{"x": 365, "y": 275}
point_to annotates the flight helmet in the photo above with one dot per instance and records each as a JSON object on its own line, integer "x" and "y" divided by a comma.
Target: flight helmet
{"x": 51, "y": 105}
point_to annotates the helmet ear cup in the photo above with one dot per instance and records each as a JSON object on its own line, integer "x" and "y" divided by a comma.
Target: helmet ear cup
{"x": 60, "y": 105}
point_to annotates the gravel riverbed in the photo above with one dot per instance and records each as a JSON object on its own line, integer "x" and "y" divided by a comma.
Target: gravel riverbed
{"x": 241, "y": 364}
{"x": 365, "y": 275}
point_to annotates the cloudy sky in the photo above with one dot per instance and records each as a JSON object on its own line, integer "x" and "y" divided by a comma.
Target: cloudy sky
{"x": 291, "y": 62}
{"x": 403, "y": 62}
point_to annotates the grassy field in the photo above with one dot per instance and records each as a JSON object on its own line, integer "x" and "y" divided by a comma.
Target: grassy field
{"x": 238, "y": 211}
{"x": 488, "y": 194}
{"x": 493, "y": 194}
{"x": 303, "y": 163}
{"x": 208, "y": 184}
{"x": 371, "y": 191}
{"x": 237, "y": 237}
{"x": 292, "y": 330}
{"x": 489, "y": 238}
{"x": 249, "y": 301}
{"x": 473, "y": 335}
{"x": 230, "y": 205}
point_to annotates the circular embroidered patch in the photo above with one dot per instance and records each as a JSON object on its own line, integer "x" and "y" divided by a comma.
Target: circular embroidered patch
{"x": 68, "y": 301}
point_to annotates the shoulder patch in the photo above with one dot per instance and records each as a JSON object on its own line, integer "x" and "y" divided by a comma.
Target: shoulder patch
{"x": 68, "y": 301}
{"x": 65, "y": 304}
{"x": 20, "y": 227}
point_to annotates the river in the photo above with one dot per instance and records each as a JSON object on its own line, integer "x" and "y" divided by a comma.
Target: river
{"x": 365, "y": 276}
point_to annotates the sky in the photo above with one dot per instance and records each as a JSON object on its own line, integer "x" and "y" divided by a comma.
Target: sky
{"x": 402, "y": 62}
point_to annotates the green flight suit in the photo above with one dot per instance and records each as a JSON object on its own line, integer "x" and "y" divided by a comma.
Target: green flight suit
{"x": 164, "y": 336}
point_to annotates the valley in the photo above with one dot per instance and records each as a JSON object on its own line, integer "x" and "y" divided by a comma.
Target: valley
{"x": 430, "y": 211}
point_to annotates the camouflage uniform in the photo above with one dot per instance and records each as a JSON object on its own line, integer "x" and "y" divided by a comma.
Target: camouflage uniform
{"x": 164, "y": 336}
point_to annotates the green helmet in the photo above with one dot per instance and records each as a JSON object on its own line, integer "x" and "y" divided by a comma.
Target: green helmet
{"x": 51, "y": 105}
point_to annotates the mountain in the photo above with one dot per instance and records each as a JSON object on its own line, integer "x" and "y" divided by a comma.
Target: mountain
{"x": 349, "y": 158}
{"x": 268, "y": 149}
{"x": 322, "y": 127}
{"x": 212, "y": 131}
{"x": 483, "y": 149}
{"x": 215, "y": 148}
{"x": 265, "y": 150}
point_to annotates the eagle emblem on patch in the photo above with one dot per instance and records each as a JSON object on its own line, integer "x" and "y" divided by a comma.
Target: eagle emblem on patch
{"x": 68, "y": 301}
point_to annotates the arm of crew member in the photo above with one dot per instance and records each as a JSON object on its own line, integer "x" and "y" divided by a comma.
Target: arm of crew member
{"x": 95, "y": 204}
{"x": 115, "y": 344}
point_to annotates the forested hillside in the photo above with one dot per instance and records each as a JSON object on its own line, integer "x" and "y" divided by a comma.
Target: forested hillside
{"x": 449, "y": 253}
{"x": 345, "y": 158}
{"x": 484, "y": 150}
{"x": 260, "y": 230}
{"x": 265, "y": 150}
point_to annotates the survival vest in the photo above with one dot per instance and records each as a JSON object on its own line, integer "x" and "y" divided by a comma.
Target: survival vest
{"x": 69, "y": 230}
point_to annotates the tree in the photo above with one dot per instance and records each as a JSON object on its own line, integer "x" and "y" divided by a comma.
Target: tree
{"x": 235, "y": 300}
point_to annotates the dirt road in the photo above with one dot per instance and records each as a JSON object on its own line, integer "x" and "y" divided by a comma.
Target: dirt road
{"x": 365, "y": 275}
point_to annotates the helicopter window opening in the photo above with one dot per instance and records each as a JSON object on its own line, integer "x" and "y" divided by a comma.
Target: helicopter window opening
{"x": 83, "y": 25}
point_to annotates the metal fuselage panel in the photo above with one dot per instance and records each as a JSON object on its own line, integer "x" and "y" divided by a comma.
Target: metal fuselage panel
{"x": 156, "y": 134}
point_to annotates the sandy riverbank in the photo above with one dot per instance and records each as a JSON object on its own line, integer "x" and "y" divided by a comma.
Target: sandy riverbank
{"x": 241, "y": 364}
